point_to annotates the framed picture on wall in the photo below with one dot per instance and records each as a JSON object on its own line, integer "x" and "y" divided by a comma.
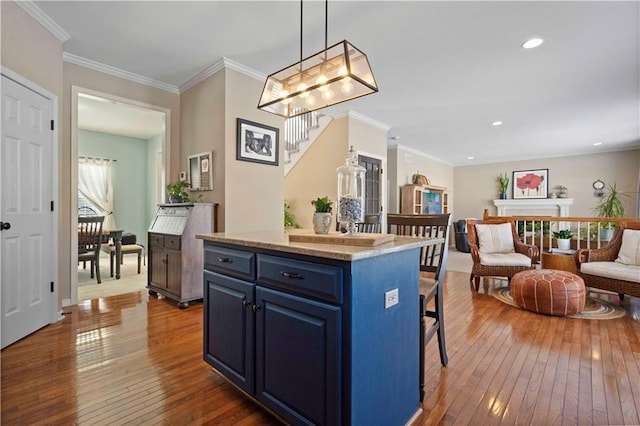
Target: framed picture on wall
{"x": 531, "y": 184}
{"x": 257, "y": 143}
{"x": 200, "y": 171}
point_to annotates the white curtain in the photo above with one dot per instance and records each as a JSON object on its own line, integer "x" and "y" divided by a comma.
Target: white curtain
{"x": 95, "y": 184}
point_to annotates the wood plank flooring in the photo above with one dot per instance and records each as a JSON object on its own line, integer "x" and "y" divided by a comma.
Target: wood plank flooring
{"x": 134, "y": 359}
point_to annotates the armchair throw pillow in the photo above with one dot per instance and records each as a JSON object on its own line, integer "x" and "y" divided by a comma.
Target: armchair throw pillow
{"x": 495, "y": 238}
{"x": 629, "y": 253}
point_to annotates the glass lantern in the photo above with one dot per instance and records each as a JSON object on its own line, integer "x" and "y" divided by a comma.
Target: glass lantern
{"x": 351, "y": 178}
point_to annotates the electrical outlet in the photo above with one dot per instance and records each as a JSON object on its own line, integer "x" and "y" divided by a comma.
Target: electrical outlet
{"x": 391, "y": 298}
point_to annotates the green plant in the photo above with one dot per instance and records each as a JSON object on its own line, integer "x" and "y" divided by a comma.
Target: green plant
{"x": 610, "y": 204}
{"x": 503, "y": 183}
{"x": 322, "y": 205}
{"x": 289, "y": 219}
{"x": 178, "y": 190}
{"x": 563, "y": 234}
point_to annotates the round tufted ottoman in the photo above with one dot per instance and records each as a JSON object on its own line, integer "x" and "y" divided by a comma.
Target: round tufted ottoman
{"x": 549, "y": 292}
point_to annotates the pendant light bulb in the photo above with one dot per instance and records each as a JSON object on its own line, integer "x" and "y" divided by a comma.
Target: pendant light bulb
{"x": 323, "y": 81}
{"x": 302, "y": 88}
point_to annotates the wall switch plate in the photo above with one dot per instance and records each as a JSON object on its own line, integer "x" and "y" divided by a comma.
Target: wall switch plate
{"x": 391, "y": 298}
{"x": 182, "y": 176}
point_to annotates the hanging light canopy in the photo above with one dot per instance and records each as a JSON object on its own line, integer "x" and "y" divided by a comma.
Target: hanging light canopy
{"x": 336, "y": 74}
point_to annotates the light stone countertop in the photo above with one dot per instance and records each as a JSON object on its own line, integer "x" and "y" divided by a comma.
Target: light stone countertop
{"x": 279, "y": 241}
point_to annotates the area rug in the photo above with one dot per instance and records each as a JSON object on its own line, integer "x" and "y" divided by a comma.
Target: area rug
{"x": 593, "y": 308}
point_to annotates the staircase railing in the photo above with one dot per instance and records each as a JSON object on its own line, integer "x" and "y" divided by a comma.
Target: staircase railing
{"x": 296, "y": 130}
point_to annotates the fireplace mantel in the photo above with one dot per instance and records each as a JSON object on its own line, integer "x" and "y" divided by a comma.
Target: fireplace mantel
{"x": 560, "y": 206}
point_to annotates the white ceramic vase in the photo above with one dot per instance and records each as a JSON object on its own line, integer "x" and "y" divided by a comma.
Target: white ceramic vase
{"x": 321, "y": 223}
{"x": 564, "y": 244}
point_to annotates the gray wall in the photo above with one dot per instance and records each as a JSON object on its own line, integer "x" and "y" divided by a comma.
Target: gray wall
{"x": 476, "y": 186}
{"x": 130, "y": 182}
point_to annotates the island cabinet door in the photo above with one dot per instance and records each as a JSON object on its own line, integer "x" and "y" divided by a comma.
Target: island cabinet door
{"x": 229, "y": 328}
{"x": 298, "y": 357}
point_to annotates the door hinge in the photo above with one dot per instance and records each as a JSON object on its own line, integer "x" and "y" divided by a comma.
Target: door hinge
{"x": 51, "y": 286}
{"x": 52, "y": 206}
{"x": 52, "y": 126}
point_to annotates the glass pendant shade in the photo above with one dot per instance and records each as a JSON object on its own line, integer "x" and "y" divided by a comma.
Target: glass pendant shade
{"x": 336, "y": 74}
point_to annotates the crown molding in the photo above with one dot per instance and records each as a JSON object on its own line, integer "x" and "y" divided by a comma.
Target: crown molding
{"x": 223, "y": 63}
{"x": 420, "y": 153}
{"x": 36, "y": 13}
{"x": 117, "y": 72}
{"x": 250, "y": 72}
{"x": 364, "y": 118}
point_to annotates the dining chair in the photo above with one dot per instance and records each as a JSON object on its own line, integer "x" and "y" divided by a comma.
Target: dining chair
{"x": 433, "y": 265}
{"x": 372, "y": 224}
{"x": 89, "y": 242}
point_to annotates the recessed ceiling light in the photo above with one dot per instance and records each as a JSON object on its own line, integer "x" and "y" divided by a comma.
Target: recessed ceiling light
{"x": 597, "y": 144}
{"x": 470, "y": 157}
{"x": 497, "y": 123}
{"x": 531, "y": 43}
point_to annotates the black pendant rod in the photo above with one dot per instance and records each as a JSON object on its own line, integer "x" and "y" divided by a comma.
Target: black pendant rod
{"x": 300, "y": 35}
{"x": 326, "y": 22}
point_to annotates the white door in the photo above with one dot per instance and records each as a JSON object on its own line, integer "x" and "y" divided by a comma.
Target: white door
{"x": 26, "y": 241}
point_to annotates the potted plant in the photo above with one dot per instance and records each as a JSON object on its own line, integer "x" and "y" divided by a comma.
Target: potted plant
{"x": 564, "y": 238}
{"x": 503, "y": 185}
{"x": 289, "y": 218}
{"x": 322, "y": 215}
{"x": 610, "y": 205}
{"x": 177, "y": 191}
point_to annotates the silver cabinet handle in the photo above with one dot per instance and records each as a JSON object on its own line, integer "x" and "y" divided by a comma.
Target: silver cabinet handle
{"x": 292, "y": 275}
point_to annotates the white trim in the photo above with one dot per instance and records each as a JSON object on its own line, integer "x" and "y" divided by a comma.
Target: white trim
{"x": 75, "y": 90}
{"x": 54, "y": 314}
{"x": 117, "y": 72}
{"x": 201, "y": 76}
{"x": 559, "y": 205}
{"x": 43, "y": 19}
{"x": 364, "y": 118}
{"x": 416, "y": 152}
{"x": 250, "y": 72}
{"x": 219, "y": 65}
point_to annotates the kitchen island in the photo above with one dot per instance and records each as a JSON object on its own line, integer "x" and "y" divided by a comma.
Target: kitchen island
{"x": 316, "y": 333}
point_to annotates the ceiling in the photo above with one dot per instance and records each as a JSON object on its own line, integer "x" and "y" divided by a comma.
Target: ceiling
{"x": 446, "y": 70}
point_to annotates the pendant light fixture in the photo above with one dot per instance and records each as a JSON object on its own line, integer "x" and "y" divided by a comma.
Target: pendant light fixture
{"x": 336, "y": 74}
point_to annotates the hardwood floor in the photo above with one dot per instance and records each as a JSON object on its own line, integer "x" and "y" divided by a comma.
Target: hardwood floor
{"x": 132, "y": 359}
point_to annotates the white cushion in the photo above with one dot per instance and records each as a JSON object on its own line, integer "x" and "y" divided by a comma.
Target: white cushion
{"x": 629, "y": 253}
{"x": 495, "y": 238}
{"x": 504, "y": 259}
{"x": 614, "y": 270}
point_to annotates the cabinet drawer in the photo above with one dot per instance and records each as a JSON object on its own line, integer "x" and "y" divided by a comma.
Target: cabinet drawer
{"x": 237, "y": 263}
{"x": 312, "y": 279}
{"x": 172, "y": 242}
{"x": 156, "y": 240}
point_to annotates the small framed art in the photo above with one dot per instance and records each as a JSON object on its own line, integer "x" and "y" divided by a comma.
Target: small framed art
{"x": 531, "y": 184}
{"x": 257, "y": 143}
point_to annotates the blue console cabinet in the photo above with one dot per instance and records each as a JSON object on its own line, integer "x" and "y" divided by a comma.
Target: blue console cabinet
{"x": 309, "y": 336}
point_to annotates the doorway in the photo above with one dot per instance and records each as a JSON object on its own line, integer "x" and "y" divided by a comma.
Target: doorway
{"x": 134, "y": 134}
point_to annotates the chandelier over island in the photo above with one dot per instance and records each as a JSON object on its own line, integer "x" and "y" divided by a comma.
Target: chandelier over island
{"x": 336, "y": 74}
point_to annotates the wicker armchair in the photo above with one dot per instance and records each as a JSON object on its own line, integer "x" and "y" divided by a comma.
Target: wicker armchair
{"x": 513, "y": 262}
{"x": 609, "y": 253}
